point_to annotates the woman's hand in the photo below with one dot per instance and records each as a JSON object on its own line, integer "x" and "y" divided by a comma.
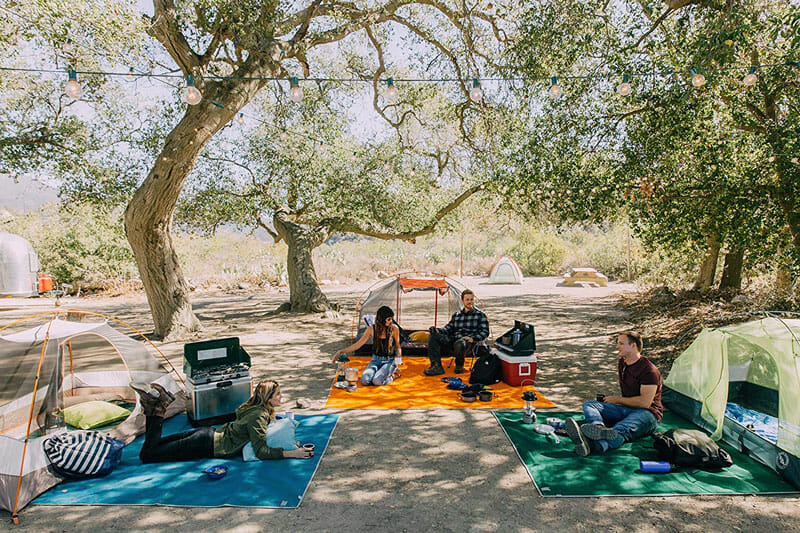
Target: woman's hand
{"x": 337, "y": 354}
{"x": 299, "y": 453}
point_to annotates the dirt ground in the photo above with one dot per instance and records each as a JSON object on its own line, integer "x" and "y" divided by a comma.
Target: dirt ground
{"x": 417, "y": 470}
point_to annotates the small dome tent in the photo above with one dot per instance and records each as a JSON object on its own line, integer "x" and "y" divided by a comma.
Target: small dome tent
{"x": 505, "y": 271}
{"x": 19, "y": 267}
{"x": 752, "y": 369}
{"x": 64, "y": 361}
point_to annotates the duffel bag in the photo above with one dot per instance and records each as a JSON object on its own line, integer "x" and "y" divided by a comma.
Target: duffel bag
{"x": 83, "y": 454}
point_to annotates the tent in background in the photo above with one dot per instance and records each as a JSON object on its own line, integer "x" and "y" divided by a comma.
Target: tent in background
{"x": 62, "y": 362}
{"x": 742, "y": 384}
{"x": 505, "y": 271}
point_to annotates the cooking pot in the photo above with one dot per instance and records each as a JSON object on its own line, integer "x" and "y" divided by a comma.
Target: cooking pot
{"x": 468, "y": 396}
{"x": 485, "y": 395}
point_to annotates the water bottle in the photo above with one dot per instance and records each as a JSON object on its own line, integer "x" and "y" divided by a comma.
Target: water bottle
{"x": 515, "y": 337}
{"x": 654, "y": 467}
{"x": 398, "y": 360}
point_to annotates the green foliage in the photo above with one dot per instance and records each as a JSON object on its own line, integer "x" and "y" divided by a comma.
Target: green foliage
{"x": 539, "y": 253}
{"x": 79, "y": 243}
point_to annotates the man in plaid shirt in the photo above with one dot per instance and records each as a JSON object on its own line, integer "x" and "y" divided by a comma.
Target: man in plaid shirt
{"x": 465, "y": 329}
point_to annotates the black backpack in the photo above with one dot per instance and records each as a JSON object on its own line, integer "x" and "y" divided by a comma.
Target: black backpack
{"x": 692, "y": 448}
{"x": 487, "y": 369}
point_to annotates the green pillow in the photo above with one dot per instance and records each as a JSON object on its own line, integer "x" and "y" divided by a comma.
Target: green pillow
{"x": 89, "y": 415}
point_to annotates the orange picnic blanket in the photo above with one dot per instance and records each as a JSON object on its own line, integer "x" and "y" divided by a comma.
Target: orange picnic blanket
{"x": 415, "y": 390}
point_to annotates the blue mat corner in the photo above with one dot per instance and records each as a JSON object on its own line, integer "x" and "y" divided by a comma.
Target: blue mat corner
{"x": 274, "y": 483}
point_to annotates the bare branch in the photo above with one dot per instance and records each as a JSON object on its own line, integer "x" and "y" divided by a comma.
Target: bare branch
{"x": 165, "y": 29}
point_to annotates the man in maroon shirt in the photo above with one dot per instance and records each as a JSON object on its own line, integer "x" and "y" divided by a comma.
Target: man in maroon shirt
{"x": 619, "y": 419}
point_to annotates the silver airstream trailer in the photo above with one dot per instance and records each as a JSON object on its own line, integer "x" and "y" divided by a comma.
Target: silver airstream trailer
{"x": 19, "y": 267}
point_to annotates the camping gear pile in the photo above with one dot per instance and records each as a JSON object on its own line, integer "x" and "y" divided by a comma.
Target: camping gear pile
{"x": 390, "y": 292}
{"x": 515, "y": 349}
{"x": 66, "y": 360}
{"x": 756, "y": 365}
{"x": 218, "y": 372}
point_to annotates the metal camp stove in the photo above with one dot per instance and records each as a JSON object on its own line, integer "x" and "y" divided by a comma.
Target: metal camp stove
{"x": 218, "y": 380}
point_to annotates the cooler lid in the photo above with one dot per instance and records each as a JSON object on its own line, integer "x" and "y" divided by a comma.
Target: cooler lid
{"x": 214, "y": 353}
{"x": 509, "y": 358}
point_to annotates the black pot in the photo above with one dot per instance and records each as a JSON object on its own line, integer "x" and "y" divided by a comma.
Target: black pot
{"x": 468, "y": 396}
{"x": 485, "y": 395}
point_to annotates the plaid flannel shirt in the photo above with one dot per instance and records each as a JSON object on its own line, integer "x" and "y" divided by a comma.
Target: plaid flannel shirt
{"x": 468, "y": 324}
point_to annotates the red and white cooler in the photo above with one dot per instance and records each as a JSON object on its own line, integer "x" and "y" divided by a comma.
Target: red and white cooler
{"x": 517, "y": 370}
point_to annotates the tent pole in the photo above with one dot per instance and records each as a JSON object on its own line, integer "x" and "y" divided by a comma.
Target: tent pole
{"x": 14, "y": 515}
{"x": 435, "y": 306}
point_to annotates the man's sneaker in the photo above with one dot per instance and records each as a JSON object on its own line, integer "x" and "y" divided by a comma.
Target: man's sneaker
{"x": 434, "y": 370}
{"x": 459, "y": 369}
{"x": 598, "y": 432}
{"x": 574, "y": 433}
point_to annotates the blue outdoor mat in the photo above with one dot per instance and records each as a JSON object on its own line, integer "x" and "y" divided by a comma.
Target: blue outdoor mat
{"x": 270, "y": 483}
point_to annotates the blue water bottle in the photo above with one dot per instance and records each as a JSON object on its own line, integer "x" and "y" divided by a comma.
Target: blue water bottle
{"x": 654, "y": 467}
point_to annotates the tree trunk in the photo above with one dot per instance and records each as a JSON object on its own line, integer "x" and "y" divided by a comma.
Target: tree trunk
{"x": 305, "y": 295}
{"x": 783, "y": 272}
{"x": 708, "y": 268}
{"x": 148, "y": 217}
{"x": 732, "y": 271}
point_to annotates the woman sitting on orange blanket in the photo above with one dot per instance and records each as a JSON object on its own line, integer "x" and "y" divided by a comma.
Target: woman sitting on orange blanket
{"x": 385, "y": 334}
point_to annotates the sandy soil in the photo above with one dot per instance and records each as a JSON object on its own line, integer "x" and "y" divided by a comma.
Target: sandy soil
{"x": 417, "y": 470}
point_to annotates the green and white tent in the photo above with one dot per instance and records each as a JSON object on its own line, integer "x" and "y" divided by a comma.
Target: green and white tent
{"x": 756, "y": 365}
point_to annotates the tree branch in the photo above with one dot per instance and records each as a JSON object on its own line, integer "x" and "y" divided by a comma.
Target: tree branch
{"x": 165, "y": 29}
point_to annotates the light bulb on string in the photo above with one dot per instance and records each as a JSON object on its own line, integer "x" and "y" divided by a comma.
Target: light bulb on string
{"x": 190, "y": 94}
{"x": 391, "y": 90}
{"x": 771, "y": 159}
{"x": 387, "y": 166}
{"x": 283, "y": 133}
{"x": 476, "y": 93}
{"x": 698, "y": 80}
{"x": 555, "y": 88}
{"x": 412, "y": 173}
{"x": 295, "y": 92}
{"x": 751, "y": 77}
{"x": 130, "y": 73}
{"x": 72, "y": 88}
{"x": 624, "y": 88}
{"x": 68, "y": 48}
{"x": 240, "y": 119}
{"x": 794, "y": 160}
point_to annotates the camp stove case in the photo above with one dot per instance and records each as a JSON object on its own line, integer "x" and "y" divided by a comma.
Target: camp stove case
{"x": 218, "y": 380}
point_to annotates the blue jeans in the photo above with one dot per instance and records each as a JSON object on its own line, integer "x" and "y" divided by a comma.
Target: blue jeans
{"x": 630, "y": 422}
{"x": 379, "y": 371}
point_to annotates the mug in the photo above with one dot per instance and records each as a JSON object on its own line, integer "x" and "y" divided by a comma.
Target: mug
{"x": 308, "y": 447}
{"x": 601, "y": 397}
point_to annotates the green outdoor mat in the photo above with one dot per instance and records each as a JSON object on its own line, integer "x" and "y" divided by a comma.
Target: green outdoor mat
{"x": 557, "y": 471}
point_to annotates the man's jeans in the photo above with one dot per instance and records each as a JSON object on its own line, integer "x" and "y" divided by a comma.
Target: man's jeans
{"x": 439, "y": 343}
{"x": 630, "y": 422}
{"x": 379, "y": 371}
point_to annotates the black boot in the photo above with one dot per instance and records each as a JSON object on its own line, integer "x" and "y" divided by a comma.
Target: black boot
{"x": 435, "y": 369}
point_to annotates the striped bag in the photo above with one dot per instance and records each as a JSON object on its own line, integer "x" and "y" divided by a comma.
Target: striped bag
{"x": 83, "y": 454}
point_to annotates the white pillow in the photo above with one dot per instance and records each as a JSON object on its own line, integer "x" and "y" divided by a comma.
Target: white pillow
{"x": 280, "y": 434}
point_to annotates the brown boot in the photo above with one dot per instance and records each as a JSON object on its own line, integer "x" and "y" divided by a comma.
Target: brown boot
{"x": 149, "y": 399}
{"x": 165, "y": 396}
{"x": 435, "y": 369}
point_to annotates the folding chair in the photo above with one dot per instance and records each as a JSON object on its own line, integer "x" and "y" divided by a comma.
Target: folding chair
{"x": 470, "y": 354}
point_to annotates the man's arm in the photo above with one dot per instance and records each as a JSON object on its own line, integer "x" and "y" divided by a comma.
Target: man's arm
{"x": 643, "y": 401}
{"x": 483, "y": 328}
{"x": 450, "y": 326}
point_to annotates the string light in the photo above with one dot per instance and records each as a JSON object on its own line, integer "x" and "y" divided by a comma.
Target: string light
{"x": 794, "y": 160}
{"x": 771, "y": 159}
{"x": 72, "y": 88}
{"x": 555, "y": 88}
{"x": 296, "y": 92}
{"x": 283, "y": 133}
{"x": 240, "y": 120}
{"x": 130, "y": 73}
{"x": 68, "y": 48}
{"x": 391, "y": 90}
{"x": 698, "y": 80}
{"x": 624, "y": 88}
{"x": 476, "y": 93}
{"x": 190, "y": 94}
{"x": 750, "y": 78}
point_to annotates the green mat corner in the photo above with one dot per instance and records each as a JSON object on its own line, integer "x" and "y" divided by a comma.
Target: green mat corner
{"x": 557, "y": 471}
